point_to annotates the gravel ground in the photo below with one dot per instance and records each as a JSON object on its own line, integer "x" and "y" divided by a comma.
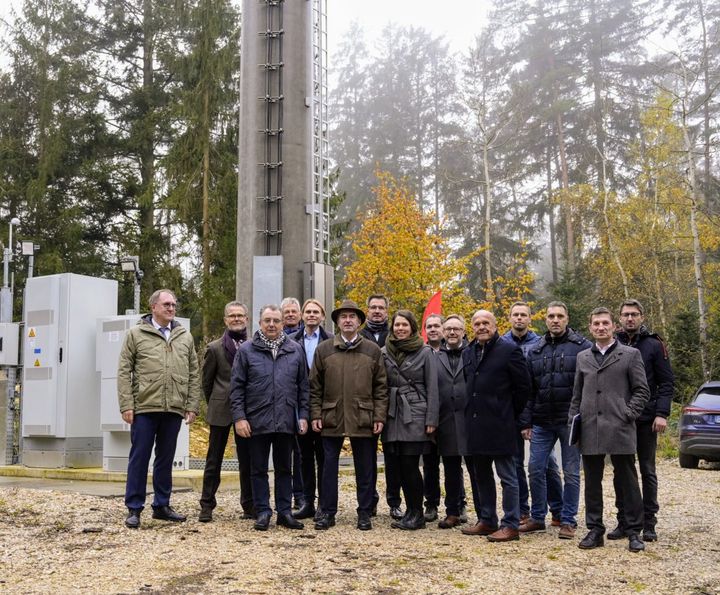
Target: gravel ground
{"x": 56, "y": 542}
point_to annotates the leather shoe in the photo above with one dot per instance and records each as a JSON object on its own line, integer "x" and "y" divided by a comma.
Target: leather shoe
{"x": 555, "y": 522}
{"x": 412, "y": 521}
{"x": 567, "y": 532}
{"x": 649, "y": 534}
{"x": 531, "y": 526}
{"x": 504, "y": 534}
{"x": 449, "y": 522}
{"x": 205, "y": 514}
{"x": 166, "y": 513}
{"x": 479, "y": 528}
{"x": 431, "y": 513}
{"x": 132, "y": 521}
{"x": 306, "y": 512}
{"x": 262, "y": 521}
{"x": 364, "y": 523}
{"x": 617, "y": 533}
{"x": 635, "y": 544}
{"x": 288, "y": 520}
{"x": 325, "y": 521}
{"x": 592, "y": 540}
{"x": 396, "y": 513}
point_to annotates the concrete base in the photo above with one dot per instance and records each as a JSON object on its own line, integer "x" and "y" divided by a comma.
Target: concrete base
{"x": 75, "y": 453}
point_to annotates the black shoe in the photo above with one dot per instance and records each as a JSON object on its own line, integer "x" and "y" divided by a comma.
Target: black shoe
{"x": 649, "y": 534}
{"x": 306, "y": 512}
{"x": 364, "y": 523}
{"x": 396, "y": 513}
{"x": 289, "y": 521}
{"x": 592, "y": 540}
{"x": 617, "y": 533}
{"x": 262, "y": 521}
{"x": 635, "y": 544}
{"x": 132, "y": 521}
{"x": 248, "y": 515}
{"x": 325, "y": 521}
{"x": 463, "y": 514}
{"x": 166, "y": 513}
{"x": 431, "y": 513}
{"x": 299, "y": 503}
{"x": 410, "y": 522}
{"x": 205, "y": 514}
{"x": 318, "y": 514}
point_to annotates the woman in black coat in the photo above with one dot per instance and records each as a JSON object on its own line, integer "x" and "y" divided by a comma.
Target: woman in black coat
{"x": 413, "y": 412}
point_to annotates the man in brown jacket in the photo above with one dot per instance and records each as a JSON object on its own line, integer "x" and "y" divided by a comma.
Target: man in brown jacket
{"x": 610, "y": 393}
{"x": 216, "y": 368}
{"x": 348, "y": 397}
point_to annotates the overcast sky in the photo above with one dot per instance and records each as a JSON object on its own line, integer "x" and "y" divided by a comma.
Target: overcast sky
{"x": 458, "y": 20}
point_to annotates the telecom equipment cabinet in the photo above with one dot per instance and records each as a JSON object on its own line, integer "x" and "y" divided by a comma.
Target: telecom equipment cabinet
{"x": 111, "y": 333}
{"x": 61, "y": 387}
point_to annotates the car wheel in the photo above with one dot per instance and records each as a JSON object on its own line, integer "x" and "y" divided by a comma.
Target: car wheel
{"x": 688, "y": 461}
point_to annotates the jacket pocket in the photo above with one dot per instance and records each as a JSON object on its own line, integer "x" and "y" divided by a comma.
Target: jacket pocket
{"x": 365, "y": 414}
{"x": 329, "y": 415}
{"x": 180, "y": 391}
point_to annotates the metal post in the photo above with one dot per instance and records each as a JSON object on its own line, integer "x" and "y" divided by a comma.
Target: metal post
{"x": 136, "y": 293}
{"x": 6, "y": 315}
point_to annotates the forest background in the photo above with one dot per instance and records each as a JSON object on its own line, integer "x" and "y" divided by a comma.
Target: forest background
{"x": 570, "y": 153}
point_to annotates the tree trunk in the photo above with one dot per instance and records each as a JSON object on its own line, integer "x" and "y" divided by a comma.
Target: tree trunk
{"x": 487, "y": 187}
{"x": 608, "y": 230}
{"x": 206, "y": 216}
{"x": 551, "y": 216}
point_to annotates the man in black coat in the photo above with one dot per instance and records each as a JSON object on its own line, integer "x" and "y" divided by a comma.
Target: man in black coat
{"x": 270, "y": 401}
{"x": 217, "y": 364}
{"x": 653, "y": 419}
{"x": 497, "y": 387}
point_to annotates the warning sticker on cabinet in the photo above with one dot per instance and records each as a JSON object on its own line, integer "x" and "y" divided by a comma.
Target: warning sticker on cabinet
{"x": 37, "y": 363}
{"x": 31, "y": 332}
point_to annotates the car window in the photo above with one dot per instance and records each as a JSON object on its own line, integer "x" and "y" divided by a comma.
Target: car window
{"x": 709, "y": 400}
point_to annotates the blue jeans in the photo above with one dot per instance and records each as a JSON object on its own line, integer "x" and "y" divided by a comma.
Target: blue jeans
{"x": 486, "y": 491}
{"x": 554, "y": 483}
{"x": 541, "y": 445}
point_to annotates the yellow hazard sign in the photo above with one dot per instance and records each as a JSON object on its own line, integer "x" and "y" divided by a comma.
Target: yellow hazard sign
{"x": 32, "y": 332}
{"x": 37, "y": 363}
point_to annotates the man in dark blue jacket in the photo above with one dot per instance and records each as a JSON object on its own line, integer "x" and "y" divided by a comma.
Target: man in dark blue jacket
{"x": 653, "y": 419}
{"x": 497, "y": 386}
{"x": 521, "y": 335}
{"x": 270, "y": 401}
{"x": 544, "y": 421}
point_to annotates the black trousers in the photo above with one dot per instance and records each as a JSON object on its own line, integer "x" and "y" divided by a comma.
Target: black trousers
{"x": 411, "y": 480}
{"x": 282, "y": 447}
{"x": 311, "y": 450}
{"x": 364, "y": 459}
{"x": 213, "y": 466}
{"x": 626, "y": 476}
{"x": 453, "y": 481}
{"x": 431, "y": 477}
{"x": 392, "y": 480}
{"x": 297, "y": 474}
{"x": 646, "y": 452}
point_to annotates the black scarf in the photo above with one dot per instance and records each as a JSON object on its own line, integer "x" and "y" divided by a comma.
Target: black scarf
{"x": 376, "y": 327}
{"x": 228, "y": 342}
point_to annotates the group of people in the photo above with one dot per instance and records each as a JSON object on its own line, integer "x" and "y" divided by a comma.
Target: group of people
{"x": 297, "y": 390}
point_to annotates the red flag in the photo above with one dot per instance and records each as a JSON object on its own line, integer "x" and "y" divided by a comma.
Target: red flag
{"x": 434, "y": 307}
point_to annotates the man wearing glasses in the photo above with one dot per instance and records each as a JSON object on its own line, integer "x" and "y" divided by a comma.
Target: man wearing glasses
{"x": 216, "y": 369}
{"x": 653, "y": 419}
{"x": 158, "y": 385}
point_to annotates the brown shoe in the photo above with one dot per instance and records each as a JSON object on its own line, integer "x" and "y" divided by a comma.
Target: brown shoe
{"x": 531, "y": 525}
{"x": 556, "y": 522}
{"x": 479, "y": 528}
{"x": 504, "y": 534}
{"x": 524, "y": 518}
{"x": 449, "y": 522}
{"x": 567, "y": 532}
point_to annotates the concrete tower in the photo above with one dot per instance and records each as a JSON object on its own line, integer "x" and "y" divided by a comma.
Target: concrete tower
{"x": 283, "y": 208}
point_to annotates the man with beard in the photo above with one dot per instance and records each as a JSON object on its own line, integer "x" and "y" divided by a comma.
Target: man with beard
{"x": 217, "y": 365}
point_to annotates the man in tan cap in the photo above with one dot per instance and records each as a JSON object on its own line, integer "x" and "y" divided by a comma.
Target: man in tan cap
{"x": 348, "y": 397}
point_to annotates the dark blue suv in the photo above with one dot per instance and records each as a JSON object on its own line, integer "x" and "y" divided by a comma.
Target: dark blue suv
{"x": 700, "y": 427}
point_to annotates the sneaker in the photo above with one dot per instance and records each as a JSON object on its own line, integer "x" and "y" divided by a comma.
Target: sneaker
{"x": 567, "y": 532}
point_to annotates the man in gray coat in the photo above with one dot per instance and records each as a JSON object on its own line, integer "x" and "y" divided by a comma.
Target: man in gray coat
{"x": 216, "y": 368}
{"x": 610, "y": 393}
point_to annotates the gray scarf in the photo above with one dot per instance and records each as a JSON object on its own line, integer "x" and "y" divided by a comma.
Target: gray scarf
{"x": 273, "y": 345}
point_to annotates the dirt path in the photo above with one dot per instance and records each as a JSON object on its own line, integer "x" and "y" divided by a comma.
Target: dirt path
{"x": 63, "y": 543}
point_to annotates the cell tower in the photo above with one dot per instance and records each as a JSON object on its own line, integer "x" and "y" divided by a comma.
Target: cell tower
{"x": 283, "y": 228}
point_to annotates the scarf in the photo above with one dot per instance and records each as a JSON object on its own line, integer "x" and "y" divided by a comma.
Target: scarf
{"x": 376, "y": 327}
{"x": 228, "y": 342}
{"x": 273, "y": 345}
{"x": 399, "y": 348}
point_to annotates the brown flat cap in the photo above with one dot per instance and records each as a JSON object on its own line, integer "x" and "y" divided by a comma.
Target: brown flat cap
{"x": 350, "y": 306}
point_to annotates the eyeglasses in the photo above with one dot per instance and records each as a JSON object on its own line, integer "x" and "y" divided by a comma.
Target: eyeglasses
{"x": 169, "y": 305}
{"x": 449, "y": 329}
{"x": 630, "y": 315}
{"x": 236, "y": 316}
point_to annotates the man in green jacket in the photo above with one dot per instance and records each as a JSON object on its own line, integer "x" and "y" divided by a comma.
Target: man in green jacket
{"x": 158, "y": 386}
